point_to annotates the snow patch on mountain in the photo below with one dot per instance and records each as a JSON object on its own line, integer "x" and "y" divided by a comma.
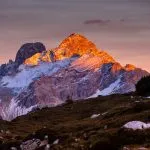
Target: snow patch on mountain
{"x": 95, "y": 116}
{"x": 14, "y": 110}
{"x": 28, "y": 74}
{"x": 109, "y": 90}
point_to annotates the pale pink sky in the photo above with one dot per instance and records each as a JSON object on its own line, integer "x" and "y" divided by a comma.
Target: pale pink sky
{"x": 121, "y": 27}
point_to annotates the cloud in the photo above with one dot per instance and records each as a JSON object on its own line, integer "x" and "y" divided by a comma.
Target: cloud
{"x": 98, "y": 21}
{"x": 103, "y": 22}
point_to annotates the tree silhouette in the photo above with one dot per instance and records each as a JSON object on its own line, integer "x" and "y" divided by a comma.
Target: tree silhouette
{"x": 143, "y": 86}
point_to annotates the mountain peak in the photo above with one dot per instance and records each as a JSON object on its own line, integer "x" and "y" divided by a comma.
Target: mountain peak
{"x": 76, "y": 35}
{"x": 77, "y": 43}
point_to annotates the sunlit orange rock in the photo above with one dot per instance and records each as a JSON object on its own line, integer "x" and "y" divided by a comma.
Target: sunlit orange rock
{"x": 74, "y": 45}
{"x": 38, "y": 57}
{"x": 33, "y": 60}
{"x": 78, "y": 45}
{"x": 90, "y": 62}
{"x": 116, "y": 67}
{"x": 130, "y": 67}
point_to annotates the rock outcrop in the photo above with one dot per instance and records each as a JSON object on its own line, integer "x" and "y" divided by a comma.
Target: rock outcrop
{"x": 8, "y": 69}
{"x": 27, "y": 51}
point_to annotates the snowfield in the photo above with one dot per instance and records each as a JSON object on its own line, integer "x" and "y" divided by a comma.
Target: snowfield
{"x": 14, "y": 111}
{"x": 28, "y": 74}
{"x": 137, "y": 125}
{"x": 107, "y": 91}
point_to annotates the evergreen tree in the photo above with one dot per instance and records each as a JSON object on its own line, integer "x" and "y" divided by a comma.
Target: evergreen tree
{"x": 143, "y": 86}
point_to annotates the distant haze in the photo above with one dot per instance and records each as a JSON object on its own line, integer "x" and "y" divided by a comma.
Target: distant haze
{"x": 121, "y": 27}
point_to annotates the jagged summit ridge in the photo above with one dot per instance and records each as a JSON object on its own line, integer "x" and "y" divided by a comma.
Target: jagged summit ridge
{"x": 74, "y": 45}
{"x": 77, "y": 44}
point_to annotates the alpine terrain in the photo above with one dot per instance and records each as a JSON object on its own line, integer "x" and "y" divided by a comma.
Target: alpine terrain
{"x": 75, "y": 70}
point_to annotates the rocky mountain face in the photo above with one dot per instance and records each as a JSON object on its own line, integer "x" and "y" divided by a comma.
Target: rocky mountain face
{"x": 26, "y": 51}
{"x": 75, "y": 70}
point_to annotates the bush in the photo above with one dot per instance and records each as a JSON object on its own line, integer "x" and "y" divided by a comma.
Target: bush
{"x": 143, "y": 86}
{"x": 69, "y": 101}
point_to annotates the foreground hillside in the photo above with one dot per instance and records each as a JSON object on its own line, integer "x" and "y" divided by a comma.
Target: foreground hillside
{"x": 93, "y": 124}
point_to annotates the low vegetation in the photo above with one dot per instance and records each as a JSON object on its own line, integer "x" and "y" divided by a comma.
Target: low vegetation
{"x": 72, "y": 124}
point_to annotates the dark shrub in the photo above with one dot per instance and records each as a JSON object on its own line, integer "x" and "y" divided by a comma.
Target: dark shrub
{"x": 69, "y": 101}
{"x": 143, "y": 86}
